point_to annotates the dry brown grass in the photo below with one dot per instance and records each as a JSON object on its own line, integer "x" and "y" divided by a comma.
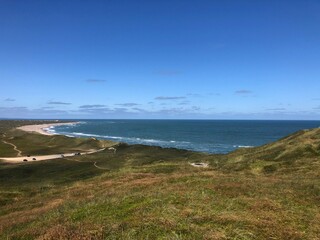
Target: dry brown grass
{"x": 206, "y": 204}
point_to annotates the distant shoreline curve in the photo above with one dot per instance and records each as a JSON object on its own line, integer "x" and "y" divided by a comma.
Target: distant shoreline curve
{"x": 43, "y": 128}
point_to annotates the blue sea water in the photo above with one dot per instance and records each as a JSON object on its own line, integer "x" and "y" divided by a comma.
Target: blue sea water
{"x": 212, "y": 136}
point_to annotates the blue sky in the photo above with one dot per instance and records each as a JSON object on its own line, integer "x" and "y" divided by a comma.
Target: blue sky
{"x": 160, "y": 59}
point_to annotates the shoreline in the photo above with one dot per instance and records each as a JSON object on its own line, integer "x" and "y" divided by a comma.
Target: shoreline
{"x": 47, "y": 129}
{"x": 43, "y": 128}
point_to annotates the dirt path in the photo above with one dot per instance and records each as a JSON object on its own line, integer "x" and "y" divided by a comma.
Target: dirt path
{"x": 20, "y": 158}
{"x": 46, "y": 157}
{"x": 94, "y": 163}
{"x": 14, "y": 148}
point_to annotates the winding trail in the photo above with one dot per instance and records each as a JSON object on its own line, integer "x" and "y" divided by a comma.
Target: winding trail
{"x": 94, "y": 163}
{"x": 19, "y": 153}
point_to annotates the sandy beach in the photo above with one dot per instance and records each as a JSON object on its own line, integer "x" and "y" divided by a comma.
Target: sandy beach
{"x": 43, "y": 128}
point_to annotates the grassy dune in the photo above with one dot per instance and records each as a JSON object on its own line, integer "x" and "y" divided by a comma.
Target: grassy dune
{"x": 143, "y": 192}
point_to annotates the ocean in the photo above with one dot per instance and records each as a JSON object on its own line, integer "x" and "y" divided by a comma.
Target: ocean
{"x": 211, "y": 136}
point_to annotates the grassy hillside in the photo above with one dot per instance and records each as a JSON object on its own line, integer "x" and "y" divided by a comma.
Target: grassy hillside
{"x": 143, "y": 192}
{"x": 38, "y": 144}
{"x": 298, "y": 152}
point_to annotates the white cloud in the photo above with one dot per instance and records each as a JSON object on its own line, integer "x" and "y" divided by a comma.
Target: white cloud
{"x": 169, "y": 98}
{"x": 95, "y": 80}
{"x": 58, "y": 103}
{"x": 243, "y": 91}
{"x": 9, "y": 100}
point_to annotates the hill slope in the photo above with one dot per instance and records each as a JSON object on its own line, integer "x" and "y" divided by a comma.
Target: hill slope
{"x": 143, "y": 192}
{"x": 298, "y": 151}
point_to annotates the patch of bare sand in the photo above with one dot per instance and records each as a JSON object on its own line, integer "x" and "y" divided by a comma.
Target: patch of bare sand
{"x": 46, "y": 157}
{"x": 43, "y": 128}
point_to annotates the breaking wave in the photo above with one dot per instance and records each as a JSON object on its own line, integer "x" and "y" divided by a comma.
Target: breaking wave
{"x": 135, "y": 140}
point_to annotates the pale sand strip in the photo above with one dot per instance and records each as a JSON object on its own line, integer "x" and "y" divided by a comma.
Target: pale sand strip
{"x": 46, "y": 157}
{"x": 41, "y": 128}
{"x": 202, "y": 165}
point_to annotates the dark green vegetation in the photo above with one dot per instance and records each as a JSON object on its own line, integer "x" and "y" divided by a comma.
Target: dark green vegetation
{"x": 142, "y": 192}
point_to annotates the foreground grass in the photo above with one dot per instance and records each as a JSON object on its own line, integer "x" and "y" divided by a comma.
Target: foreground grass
{"x": 187, "y": 203}
{"x": 152, "y": 193}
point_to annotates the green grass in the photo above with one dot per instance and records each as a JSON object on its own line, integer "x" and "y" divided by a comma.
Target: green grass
{"x": 37, "y": 144}
{"x": 7, "y": 150}
{"x": 269, "y": 192}
{"x": 55, "y": 171}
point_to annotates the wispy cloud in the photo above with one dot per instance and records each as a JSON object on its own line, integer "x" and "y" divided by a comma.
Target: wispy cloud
{"x": 169, "y": 98}
{"x": 49, "y": 112}
{"x": 9, "y": 100}
{"x": 14, "y": 108}
{"x": 58, "y": 103}
{"x": 184, "y": 103}
{"x": 113, "y": 112}
{"x": 276, "y": 109}
{"x": 101, "y": 110}
{"x": 214, "y": 94}
{"x": 127, "y": 104}
{"x": 178, "y": 110}
{"x": 25, "y": 112}
{"x": 92, "y": 80}
{"x": 139, "y": 109}
{"x": 120, "y": 109}
{"x": 194, "y": 95}
{"x": 167, "y": 73}
{"x": 317, "y": 108}
{"x": 243, "y": 92}
{"x": 171, "y": 111}
{"x": 92, "y": 106}
{"x": 138, "y": 112}
{"x": 98, "y": 109}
